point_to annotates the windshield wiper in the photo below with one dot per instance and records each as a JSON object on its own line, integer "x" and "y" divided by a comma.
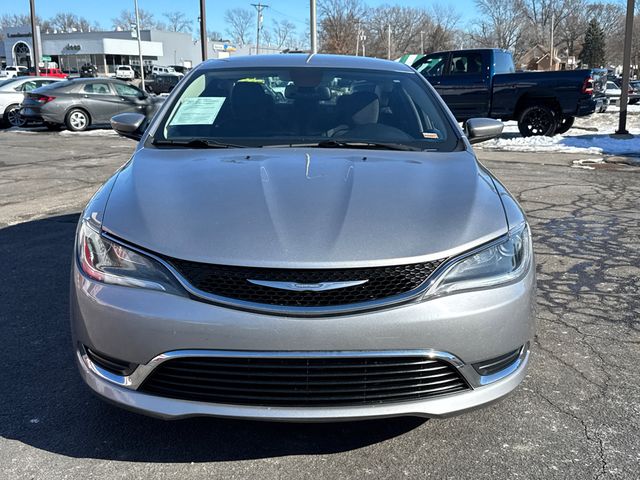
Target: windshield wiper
{"x": 196, "y": 143}
{"x": 357, "y": 144}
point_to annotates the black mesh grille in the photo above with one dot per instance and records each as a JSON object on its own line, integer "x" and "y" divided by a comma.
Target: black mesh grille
{"x": 232, "y": 282}
{"x": 304, "y": 381}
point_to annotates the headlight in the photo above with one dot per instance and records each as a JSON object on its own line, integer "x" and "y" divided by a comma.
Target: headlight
{"x": 494, "y": 265}
{"x": 110, "y": 262}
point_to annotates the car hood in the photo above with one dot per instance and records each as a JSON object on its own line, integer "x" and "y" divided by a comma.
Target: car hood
{"x": 288, "y": 207}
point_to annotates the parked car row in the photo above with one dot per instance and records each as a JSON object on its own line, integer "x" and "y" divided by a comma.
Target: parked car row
{"x": 12, "y": 92}
{"x": 75, "y": 104}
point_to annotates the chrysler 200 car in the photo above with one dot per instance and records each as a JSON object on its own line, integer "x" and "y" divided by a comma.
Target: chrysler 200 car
{"x": 333, "y": 252}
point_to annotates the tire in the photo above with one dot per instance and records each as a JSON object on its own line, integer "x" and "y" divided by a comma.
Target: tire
{"x": 564, "y": 125}
{"x": 12, "y": 117}
{"x": 77, "y": 120}
{"x": 537, "y": 120}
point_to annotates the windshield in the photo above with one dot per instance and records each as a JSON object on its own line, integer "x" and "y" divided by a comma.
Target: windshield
{"x": 293, "y": 106}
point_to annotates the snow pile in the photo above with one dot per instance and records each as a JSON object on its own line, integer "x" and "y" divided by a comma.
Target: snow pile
{"x": 91, "y": 133}
{"x": 590, "y": 135}
{"x": 589, "y": 144}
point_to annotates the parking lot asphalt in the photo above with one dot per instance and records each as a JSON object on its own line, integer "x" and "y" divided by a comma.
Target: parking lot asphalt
{"x": 576, "y": 415}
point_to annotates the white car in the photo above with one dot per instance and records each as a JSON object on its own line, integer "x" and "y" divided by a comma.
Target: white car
{"x": 125, "y": 72}
{"x": 160, "y": 70}
{"x": 612, "y": 90}
{"x": 10, "y": 72}
{"x": 12, "y": 93}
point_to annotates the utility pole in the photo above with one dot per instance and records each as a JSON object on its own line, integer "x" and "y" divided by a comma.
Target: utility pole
{"x": 422, "y": 42}
{"x": 357, "y": 39}
{"x": 313, "y": 27}
{"x": 34, "y": 38}
{"x": 626, "y": 66}
{"x": 259, "y": 7}
{"x": 551, "y": 55}
{"x": 139, "y": 45}
{"x": 389, "y": 41}
{"x": 204, "y": 42}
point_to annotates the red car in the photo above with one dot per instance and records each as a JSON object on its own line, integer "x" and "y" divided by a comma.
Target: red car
{"x": 50, "y": 72}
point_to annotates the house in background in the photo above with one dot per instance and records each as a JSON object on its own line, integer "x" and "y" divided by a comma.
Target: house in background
{"x": 538, "y": 58}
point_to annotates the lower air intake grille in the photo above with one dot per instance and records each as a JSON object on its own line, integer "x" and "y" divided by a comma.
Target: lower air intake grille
{"x": 233, "y": 282}
{"x": 333, "y": 381}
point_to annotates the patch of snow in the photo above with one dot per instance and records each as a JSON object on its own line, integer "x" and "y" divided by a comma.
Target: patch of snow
{"x": 587, "y": 144}
{"x": 18, "y": 130}
{"x": 586, "y": 163}
{"x": 91, "y": 133}
{"x": 589, "y": 135}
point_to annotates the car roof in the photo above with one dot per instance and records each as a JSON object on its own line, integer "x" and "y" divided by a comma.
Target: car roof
{"x": 285, "y": 60}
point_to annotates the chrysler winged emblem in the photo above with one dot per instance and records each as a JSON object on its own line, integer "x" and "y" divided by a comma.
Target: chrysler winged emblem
{"x": 307, "y": 287}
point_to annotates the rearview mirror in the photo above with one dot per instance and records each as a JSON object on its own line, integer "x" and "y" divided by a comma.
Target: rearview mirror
{"x": 483, "y": 129}
{"x": 130, "y": 125}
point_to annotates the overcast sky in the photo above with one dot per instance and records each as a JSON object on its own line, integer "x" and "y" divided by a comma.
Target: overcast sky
{"x": 296, "y": 11}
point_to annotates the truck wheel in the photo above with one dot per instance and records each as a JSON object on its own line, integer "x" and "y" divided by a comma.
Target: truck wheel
{"x": 77, "y": 120}
{"x": 537, "y": 120}
{"x": 564, "y": 125}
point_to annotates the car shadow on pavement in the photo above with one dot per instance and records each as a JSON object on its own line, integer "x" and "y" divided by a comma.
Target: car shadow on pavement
{"x": 45, "y": 404}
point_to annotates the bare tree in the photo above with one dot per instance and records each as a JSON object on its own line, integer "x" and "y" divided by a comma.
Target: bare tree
{"x": 500, "y": 24}
{"x": 128, "y": 18}
{"x": 443, "y": 32}
{"x": 215, "y": 36}
{"x": 177, "y": 22}
{"x": 283, "y": 34}
{"x": 407, "y": 24}
{"x": 241, "y": 24}
{"x": 539, "y": 14}
{"x": 68, "y": 22}
{"x": 339, "y": 23}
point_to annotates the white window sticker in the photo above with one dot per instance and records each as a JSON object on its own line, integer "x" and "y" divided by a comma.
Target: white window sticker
{"x": 198, "y": 111}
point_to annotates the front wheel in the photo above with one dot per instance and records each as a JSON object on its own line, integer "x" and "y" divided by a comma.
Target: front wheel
{"x": 13, "y": 118}
{"x": 77, "y": 120}
{"x": 564, "y": 125}
{"x": 537, "y": 120}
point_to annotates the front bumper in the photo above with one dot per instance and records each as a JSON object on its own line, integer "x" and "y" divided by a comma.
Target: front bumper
{"x": 140, "y": 326}
{"x": 105, "y": 384}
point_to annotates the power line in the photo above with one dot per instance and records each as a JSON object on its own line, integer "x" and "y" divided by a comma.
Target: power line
{"x": 295, "y": 19}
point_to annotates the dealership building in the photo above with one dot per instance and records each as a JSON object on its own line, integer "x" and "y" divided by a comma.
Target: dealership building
{"x": 105, "y": 50}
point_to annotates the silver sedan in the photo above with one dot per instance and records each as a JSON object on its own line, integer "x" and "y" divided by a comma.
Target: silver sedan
{"x": 303, "y": 238}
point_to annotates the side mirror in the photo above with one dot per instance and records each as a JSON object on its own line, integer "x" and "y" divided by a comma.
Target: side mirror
{"x": 130, "y": 125}
{"x": 482, "y": 129}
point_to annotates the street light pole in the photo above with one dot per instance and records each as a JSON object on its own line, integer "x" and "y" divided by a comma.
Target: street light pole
{"x": 34, "y": 38}
{"x": 139, "y": 46}
{"x": 313, "y": 28}
{"x": 204, "y": 43}
{"x": 626, "y": 67}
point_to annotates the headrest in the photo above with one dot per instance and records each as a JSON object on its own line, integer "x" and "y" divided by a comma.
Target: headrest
{"x": 249, "y": 100}
{"x": 360, "y": 107}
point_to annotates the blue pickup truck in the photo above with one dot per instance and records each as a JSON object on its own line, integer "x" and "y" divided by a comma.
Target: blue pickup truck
{"x": 483, "y": 83}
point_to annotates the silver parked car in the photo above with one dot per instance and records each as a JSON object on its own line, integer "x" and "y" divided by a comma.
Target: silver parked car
{"x": 333, "y": 252}
{"x": 84, "y": 102}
